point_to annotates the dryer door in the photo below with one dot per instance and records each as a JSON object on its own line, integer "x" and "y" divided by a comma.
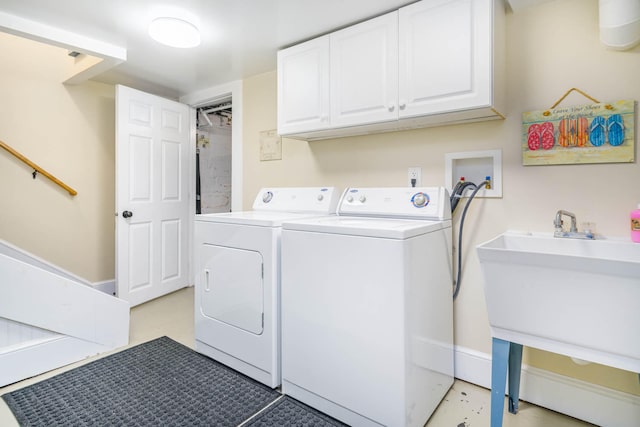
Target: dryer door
{"x": 232, "y": 290}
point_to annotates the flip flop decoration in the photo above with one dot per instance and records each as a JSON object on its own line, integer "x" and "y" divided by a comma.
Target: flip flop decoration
{"x": 597, "y": 131}
{"x": 567, "y": 132}
{"x": 562, "y": 133}
{"x": 547, "y": 137}
{"x": 533, "y": 137}
{"x": 615, "y": 130}
{"x": 573, "y": 132}
{"x": 541, "y": 135}
{"x": 583, "y": 131}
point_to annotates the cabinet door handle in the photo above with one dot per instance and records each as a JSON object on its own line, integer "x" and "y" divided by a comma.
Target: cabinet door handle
{"x": 403, "y": 105}
{"x": 392, "y": 107}
{"x": 206, "y": 281}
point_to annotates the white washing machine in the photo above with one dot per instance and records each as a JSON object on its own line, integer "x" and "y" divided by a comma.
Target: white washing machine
{"x": 237, "y": 264}
{"x": 367, "y": 310}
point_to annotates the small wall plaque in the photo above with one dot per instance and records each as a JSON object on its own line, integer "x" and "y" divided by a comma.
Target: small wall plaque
{"x": 270, "y": 145}
{"x": 591, "y": 133}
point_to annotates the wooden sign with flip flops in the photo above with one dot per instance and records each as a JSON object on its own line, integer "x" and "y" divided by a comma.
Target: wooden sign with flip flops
{"x": 592, "y": 133}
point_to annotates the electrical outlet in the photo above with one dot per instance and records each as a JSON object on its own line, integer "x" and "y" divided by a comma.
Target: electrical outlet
{"x": 415, "y": 173}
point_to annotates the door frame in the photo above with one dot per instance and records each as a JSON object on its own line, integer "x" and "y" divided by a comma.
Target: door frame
{"x": 199, "y": 99}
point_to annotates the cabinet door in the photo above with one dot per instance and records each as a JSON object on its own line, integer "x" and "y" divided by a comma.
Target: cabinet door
{"x": 303, "y": 87}
{"x": 445, "y": 56}
{"x": 364, "y": 72}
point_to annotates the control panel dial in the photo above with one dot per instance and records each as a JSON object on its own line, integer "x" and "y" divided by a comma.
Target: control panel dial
{"x": 266, "y": 197}
{"x": 420, "y": 200}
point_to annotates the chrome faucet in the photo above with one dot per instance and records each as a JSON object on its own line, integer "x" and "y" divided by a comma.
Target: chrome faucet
{"x": 558, "y": 221}
{"x": 573, "y": 231}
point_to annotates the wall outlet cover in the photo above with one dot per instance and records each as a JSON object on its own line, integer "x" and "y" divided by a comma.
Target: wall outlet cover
{"x": 415, "y": 173}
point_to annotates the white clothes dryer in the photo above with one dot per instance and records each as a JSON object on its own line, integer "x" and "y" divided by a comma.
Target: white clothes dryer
{"x": 367, "y": 309}
{"x": 237, "y": 264}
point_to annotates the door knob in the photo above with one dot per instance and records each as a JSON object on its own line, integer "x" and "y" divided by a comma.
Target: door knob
{"x": 127, "y": 214}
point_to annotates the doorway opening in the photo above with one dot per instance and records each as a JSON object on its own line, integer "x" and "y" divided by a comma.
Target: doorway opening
{"x": 214, "y": 157}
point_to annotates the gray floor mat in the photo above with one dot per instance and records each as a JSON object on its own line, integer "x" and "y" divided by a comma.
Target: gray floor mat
{"x": 159, "y": 383}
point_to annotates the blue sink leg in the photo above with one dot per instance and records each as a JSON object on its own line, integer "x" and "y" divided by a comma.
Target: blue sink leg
{"x": 515, "y": 363}
{"x": 499, "y": 363}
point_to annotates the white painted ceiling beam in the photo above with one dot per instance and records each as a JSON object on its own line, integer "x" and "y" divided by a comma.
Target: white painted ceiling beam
{"x": 110, "y": 54}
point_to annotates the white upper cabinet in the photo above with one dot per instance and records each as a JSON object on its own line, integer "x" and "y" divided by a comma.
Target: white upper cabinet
{"x": 445, "y": 56}
{"x": 303, "y": 87}
{"x": 364, "y": 72}
{"x": 433, "y": 62}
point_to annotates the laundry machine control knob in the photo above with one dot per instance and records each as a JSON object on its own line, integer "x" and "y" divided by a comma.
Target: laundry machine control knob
{"x": 420, "y": 200}
{"x": 349, "y": 199}
{"x": 266, "y": 197}
{"x": 363, "y": 199}
{"x": 320, "y": 197}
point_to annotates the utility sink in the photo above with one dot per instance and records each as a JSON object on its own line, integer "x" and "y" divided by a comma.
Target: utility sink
{"x": 580, "y": 298}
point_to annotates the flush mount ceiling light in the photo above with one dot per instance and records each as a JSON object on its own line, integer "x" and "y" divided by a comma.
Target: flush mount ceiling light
{"x": 174, "y": 32}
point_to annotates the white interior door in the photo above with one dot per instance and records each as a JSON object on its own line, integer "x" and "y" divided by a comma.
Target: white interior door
{"x": 152, "y": 195}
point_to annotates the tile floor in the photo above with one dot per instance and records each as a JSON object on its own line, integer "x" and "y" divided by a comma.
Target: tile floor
{"x": 466, "y": 405}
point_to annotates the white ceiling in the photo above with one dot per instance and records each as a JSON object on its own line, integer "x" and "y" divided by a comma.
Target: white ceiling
{"x": 239, "y": 37}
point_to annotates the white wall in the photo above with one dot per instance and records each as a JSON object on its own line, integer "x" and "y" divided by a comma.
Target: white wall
{"x": 550, "y": 48}
{"x": 69, "y": 131}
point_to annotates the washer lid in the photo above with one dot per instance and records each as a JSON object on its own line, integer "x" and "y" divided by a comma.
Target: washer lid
{"x": 389, "y": 228}
{"x": 255, "y": 218}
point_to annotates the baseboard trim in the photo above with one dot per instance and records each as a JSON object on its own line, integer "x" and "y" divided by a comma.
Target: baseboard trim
{"x": 579, "y": 399}
{"x": 106, "y": 286}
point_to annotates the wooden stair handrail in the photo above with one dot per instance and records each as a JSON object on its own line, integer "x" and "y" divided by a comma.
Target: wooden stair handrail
{"x": 37, "y": 168}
